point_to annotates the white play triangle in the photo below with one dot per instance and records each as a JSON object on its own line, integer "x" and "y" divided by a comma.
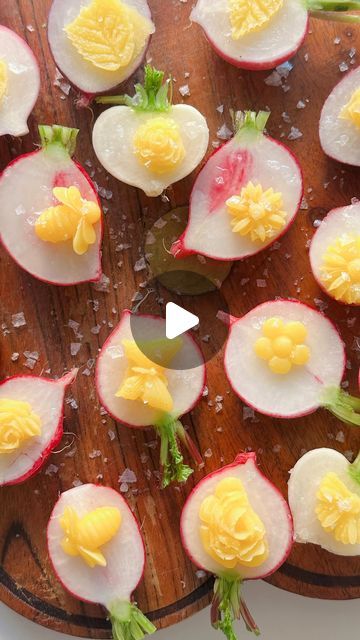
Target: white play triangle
{"x": 178, "y": 320}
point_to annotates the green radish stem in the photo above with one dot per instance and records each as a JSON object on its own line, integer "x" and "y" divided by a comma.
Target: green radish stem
{"x": 228, "y": 606}
{"x": 171, "y": 431}
{"x": 58, "y": 138}
{"x": 354, "y": 469}
{"x": 154, "y": 95}
{"x": 128, "y": 622}
{"x": 249, "y": 123}
{"x": 334, "y": 10}
{"x": 342, "y": 405}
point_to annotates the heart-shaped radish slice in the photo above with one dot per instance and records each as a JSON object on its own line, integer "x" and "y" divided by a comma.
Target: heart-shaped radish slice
{"x": 77, "y": 37}
{"x": 236, "y": 498}
{"x": 19, "y": 83}
{"x": 31, "y": 424}
{"x": 293, "y": 354}
{"x": 335, "y": 254}
{"x": 324, "y": 497}
{"x": 176, "y": 374}
{"x": 245, "y": 197}
{"x": 253, "y": 35}
{"x": 156, "y": 143}
{"x": 50, "y": 202}
{"x": 98, "y": 554}
{"x": 340, "y": 121}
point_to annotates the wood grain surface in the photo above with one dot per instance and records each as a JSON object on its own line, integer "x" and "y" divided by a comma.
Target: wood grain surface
{"x": 101, "y": 449}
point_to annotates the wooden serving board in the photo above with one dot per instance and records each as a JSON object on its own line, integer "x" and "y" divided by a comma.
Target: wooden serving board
{"x": 101, "y": 449}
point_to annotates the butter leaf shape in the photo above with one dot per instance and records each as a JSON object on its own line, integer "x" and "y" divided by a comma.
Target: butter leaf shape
{"x": 248, "y": 16}
{"x": 109, "y": 34}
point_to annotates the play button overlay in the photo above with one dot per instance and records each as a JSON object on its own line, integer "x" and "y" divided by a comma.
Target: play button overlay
{"x": 181, "y": 314}
{"x": 178, "y": 320}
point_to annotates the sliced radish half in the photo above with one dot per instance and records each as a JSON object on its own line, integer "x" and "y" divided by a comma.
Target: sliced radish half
{"x": 51, "y": 223}
{"x": 245, "y": 197}
{"x": 256, "y": 35}
{"x": 98, "y": 44}
{"x": 340, "y": 121}
{"x": 19, "y": 83}
{"x": 151, "y": 385}
{"x": 324, "y": 497}
{"x": 335, "y": 254}
{"x": 295, "y": 356}
{"x": 98, "y": 554}
{"x": 31, "y": 424}
{"x": 147, "y": 142}
{"x": 236, "y": 525}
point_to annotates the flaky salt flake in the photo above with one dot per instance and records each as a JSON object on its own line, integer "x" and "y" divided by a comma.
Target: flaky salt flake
{"x": 343, "y": 67}
{"x": 301, "y": 104}
{"x": 128, "y": 476}
{"x": 95, "y": 453}
{"x": 124, "y": 488}
{"x": 184, "y": 90}
{"x": 15, "y": 356}
{"x": 295, "y": 134}
{"x": 103, "y": 284}
{"x": 224, "y": 133}
{"x": 140, "y": 265}
{"x": 261, "y": 283}
{"x": 18, "y": 320}
{"x": 340, "y": 437}
{"x": 75, "y": 348}
{"x": 77, "y": 483}
{"x": 111, "y": 434}
{"x": 208, "y": 453}
{"x": 51, "y": 470}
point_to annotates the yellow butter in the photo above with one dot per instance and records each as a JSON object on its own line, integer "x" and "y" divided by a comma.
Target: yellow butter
{"x": 351, "y": 111}
{"x": 231, "y": 532}
{"x": 340, "y": 269}
{"x": 338, "y": 510}
{"x": 251, "y": 16}
{"x": 109, "y": 33}
{"x": 158, "y": 145}
{"x": 282, "y": 345}
{"x": 73, "y": 219}
{"x": 85, "y": 536}
{"x": 256, "y": 213}
{"x": 3, "y": 80}
{"x": 18, "y": 424}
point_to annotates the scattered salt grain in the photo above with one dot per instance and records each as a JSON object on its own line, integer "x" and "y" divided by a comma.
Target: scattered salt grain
{"x": 15, "y": 356}
{"x": 124, "y": 488}
{"x": 184, "y": 90}
{"x": 301, "y": 104}
{"x": 140, "y": 265}
{"x": 95, "y": 453}
{"x": 224, "y": 133}
{"x": 343, "y": 67}
{"x": 96, "y": 330}
{"x": 75, "y": 348}
{"x": 103, "y": 284}
{"x": 51, "y": 470}
{"x": 200, "y": 574}
{"x": 111, "y": 434}
{"x": 128, "y": 476}
{"x": 261, "y": 283}
{"x": 77, "y": 483}
{"x": 294, "y": 134}
{"x": 208, "y": 453}
{"x": 340, "y": 437}
{"x": 18, "y": 320}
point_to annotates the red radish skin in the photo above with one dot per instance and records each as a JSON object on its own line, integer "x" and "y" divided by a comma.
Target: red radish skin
{"x": 60, "y": 180}
{"x": 257, "y": 66}
{"x": 72, "y": 593}
{"x": 103, "y": 401}
{"x": 242, "y": 458}
{"x": 85, "y": 98}
{"x": 179, "y": 248}
{"x": 66, "y": 381}
{"x": 231, "y": 321}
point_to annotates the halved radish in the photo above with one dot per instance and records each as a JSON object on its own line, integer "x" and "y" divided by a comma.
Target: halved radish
{"x": 31, "y": 424}
{"x": 98, "y": 44}
{"x": 295, "y": 355}
{"x": 146, "y": 141}
{"x": 98, "y": 554}
{"x": 324, "y": 497}
{"x": 245, "y": 197}
{"x": 19, "y": 83}
{"x": 340, "y": 121}
{"x": 335, "y": 254}
{"x": 236, "y": 525}
{"x": 52, "y": 222}
{"x": 137, "y": 386}
{"x": 257, "y": 35}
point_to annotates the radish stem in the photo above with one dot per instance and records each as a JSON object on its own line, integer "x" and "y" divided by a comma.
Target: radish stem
{"x": 342, "y": 405}
{"x": 334, "y": 10}
{"x": 58, "y": 137}
{"x": 249, "y": 122}
{"x": 154, "y": 95}
{"x": 354, "y": 469}
{"x": 128, "y": 622}
{"x": 228, "y": 606}
{"x": 171, "y": 431}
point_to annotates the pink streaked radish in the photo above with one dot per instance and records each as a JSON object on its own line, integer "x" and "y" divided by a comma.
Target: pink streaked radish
{"x": 249, "y": 158}
{"x": 111, "y": 585}
{"x": 335, "y": 254}
{"x": 156, "y": 143}
{"x": 339, "y": 136}
{"x": 185, "y": 386}
{"x": 20, "y": 83}
{"x": 83, "y": 75}
{"x": 27, "y": 188}
{"x": 304, "y": 484}
{"x": 46, "y": 399}
{"x": 267, "y": 40}
{"x": 304, "y": 389}
{"x": 273, "y": 511}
